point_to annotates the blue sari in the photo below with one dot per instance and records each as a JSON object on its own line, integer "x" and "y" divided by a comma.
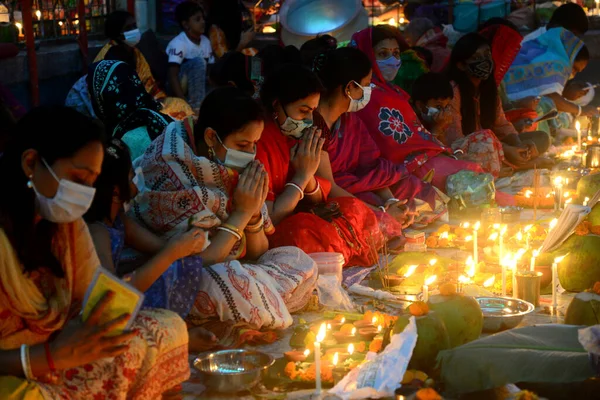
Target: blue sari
{"x": 543, "y": 66}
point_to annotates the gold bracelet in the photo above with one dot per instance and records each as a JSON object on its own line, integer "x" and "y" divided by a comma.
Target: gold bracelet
{"x": 255, "y": 228}
{"x": 233, "y": 228}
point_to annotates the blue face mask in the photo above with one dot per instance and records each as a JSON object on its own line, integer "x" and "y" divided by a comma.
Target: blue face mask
{"x": 389, "y": 67}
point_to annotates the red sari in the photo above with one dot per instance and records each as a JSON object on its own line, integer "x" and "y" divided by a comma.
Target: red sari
{"x": 349, "y": 234}
{"x": 397, "y": 131}
{"x": 358, "y": 167}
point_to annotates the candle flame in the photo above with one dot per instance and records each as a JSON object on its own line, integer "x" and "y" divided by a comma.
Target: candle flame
{"x": 527, "y": 228}
{"x": 392, "y": 22}
{"x": 559, "y": 259}
{"x": 470, "y": 267}
{"x": 335, "y": 358}
{"x": 432, "y": 261}
{"x": 430, "y": 280}
{"x": 269, "y": 29}
{"x": 343, "y": 320}
{"x": 328, "y": 327}
{"x": 306, "y": 352}
{"x": 468, "y": 238}
{"x": 410, "y": 271}
{"x": 38, "y": 14}
{"x": 490, "y": 281}
{"x": 496, "y": 226}
{"x": 469, "y": 260}
{"x": 519, "y": 236}
{"x": 577, "y": 126}
{"x": 520, "y": 253}
{"x": 444, "y": 235}
{"x": 476, "y": 226}
{"x": 19, "y": 25}
{"x": 353, "y": 331}
{"x": 558, "y": 180}
{"x": 379, "y": 328}
{"x": 374, "y": 320}
{"x": 569, "y": 200}
{"x": 465, "y": 225}
{"x": 553, "y": 223}
{"x": 528, "y": 194}
{"x": 60, "y": 23}
{"x": 401, "y": 20}
{"x": 350, "y": 348}
{"x": 536, "y": 253}
{"x": 567, "y": 194}
{"x": 493, "y": 237}
{"x": 503, "y": 231}
{"x": 590, "y": 138}
{"x": 322, "y": 333}
{"x": 463, "y": 279}
{"x": 586, "y": 201}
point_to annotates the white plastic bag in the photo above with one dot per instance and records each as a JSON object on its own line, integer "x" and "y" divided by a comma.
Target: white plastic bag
{"x": 380, "y": 376}
{"x": 332, "y": 294}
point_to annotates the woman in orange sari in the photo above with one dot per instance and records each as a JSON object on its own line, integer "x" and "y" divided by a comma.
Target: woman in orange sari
{"x": 47, "y": 261}
{"x": 123, "y": 35}
{"x": 290, "y": 150}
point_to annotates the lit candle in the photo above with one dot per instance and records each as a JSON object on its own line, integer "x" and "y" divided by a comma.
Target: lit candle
{"x": 20, "y": 28}
{"x": 552, "y": 225}
{"x": 555, "y": 281}
{"x": 470, "y": 270}
{"x": 411, "y": 270}
{"x": 533, "y": 257}
{"x": 475, "y": 250}
{"x": 462, "y": 280}
{"x": 586, "y": 201}
{"x": 597, "y": 2}
{"x": 320, "y": 338}
{"x": 428, "y": 282}
{"x": 490, "y": 281}
{"x": 336, "y": 357}
{"x": 514, "y": 276}
{"x": 433, "y": 261}
{"x": 527, "y": 235}
{"x": 501, "y": 244}
{"x": 38, "y": 14}
{"x": 578, "y": 127}
{"x": 503, "y": 265}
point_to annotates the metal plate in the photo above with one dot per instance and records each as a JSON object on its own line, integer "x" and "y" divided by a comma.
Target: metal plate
{"x": 501, "y": 313}
{"x": 311, "y": 17}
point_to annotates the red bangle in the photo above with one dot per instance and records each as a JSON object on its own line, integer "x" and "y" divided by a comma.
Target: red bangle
{"x": 49, "y": 357}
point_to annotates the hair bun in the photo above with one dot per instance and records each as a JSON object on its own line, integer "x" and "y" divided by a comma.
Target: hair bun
{"x": 320, "y": 61}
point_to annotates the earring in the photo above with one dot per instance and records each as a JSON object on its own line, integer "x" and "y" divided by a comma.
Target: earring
{"x": 274, "y": 115}
{"x": 29, "y": 182}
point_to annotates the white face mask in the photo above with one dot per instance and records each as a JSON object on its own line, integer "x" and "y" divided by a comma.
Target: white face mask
{"x": 235, "y": 158}
{"x": 357, "y": 105}
{"x": 138, "y": 180}
{"x": 70, "y": 202}
{"x": 132, "y": 37}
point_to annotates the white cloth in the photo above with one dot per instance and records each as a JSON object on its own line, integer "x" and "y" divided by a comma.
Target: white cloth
{"x": 182, "y": 48}
{"x": 534, "y": 35}
{"x": 370, "y": 292}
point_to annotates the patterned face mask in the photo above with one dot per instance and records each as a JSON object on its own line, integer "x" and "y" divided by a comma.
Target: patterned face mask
{"x": 481, "y": 68}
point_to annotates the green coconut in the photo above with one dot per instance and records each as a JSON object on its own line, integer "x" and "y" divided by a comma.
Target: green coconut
{"x": 432, "y": 338}
{"x": 594, "y": 216}
{"x": 584, "y": 309}
{"x": 580, "y": 269}
{"x": 461, "y": 315}
{"x": 588, "y": 186}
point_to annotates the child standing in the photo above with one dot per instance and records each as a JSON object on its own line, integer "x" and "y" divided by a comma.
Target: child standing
{"x": 189, "y": 53}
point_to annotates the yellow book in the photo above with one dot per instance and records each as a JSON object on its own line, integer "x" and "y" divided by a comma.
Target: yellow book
{"x": 127, "y": 299}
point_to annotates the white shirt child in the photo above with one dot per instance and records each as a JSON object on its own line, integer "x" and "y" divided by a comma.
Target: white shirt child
{"x": 182, "y": 48}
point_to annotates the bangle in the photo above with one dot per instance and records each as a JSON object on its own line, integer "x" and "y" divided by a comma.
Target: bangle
{"x": 26, "y": 363}
{"x": 49, "y": 358}
{"x": 580, "y": 110}
{"x": 256, "y": 227}
{"x": 391, "y": 201}
{"x": 298, "y": 188}
{"x": 382, "y": 208}
{"x": 233, "y": 228}
{"x": 230, "y": 231}
{"x": 314, "y": 191}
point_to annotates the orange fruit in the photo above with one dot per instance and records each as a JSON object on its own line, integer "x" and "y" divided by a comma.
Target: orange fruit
{"x": 428, "y": 394}
{"x": 418, "y": 309}
{"x": 448, "y": 289}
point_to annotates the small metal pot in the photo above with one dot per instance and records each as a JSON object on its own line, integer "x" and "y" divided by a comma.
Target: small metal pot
{"x": 232, "y": 371}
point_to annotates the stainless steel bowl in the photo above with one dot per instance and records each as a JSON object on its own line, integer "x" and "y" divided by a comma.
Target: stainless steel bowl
{"x": 232, "y": 371}
{"x": 502, "y": 313}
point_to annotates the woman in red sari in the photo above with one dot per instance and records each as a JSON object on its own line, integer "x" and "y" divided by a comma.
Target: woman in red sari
{"x": 390, "y": 119}
{"x": 353, "y": 161}
{"x": 290, "y": 150}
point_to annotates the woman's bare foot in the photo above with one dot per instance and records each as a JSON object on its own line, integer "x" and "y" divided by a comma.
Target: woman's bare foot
{"x": 201, "y": 340}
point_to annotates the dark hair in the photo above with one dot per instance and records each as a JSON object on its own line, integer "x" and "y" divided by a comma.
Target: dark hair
{"x": 55, "y": 132}
{"x": 583, "y": 55}
{"x": 115, "y": 172}
{"x": 382, "y": 32}
{"x": 571, "y": 17}
{"x": 186, "y": 10}
{"x": 342, "y": 66}
{"x": 226, "y": 110}
{"x": 122, "y": 52}
{"x": 541, "y": 140}
{"x": 425, "y": 54}
{"x": 233, "y": 67}
{"x": 488, "y": 91}
{"x": 432, "y": 86}
{"x": 274, "y": 56}
{"x": 314, "y": 47}
{"x": 289, "y": 83}
{"x": 115, "y": 22}
{"x": 497, "y": 21}
{"x": 227, "y": 15}
{"x": 410, "y": 9}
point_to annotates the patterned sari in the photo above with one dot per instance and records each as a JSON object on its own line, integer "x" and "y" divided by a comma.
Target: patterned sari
{"x": 394, "y": 126}
{"x": 173, "y": 106}
{"x": 36, "y": 305}
{"x": 182, "y": 188}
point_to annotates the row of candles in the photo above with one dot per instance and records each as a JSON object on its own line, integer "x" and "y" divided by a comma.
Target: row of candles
{"x": 65, "y": 26}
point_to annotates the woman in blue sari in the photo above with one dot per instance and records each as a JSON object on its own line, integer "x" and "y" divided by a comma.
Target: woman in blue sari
{"x": 543, "y": 67}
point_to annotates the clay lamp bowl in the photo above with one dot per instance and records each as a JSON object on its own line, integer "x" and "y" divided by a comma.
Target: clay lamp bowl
{"x": 368, "y": 334}
{"x": 335, "y": 324}
{"x": 295, "y": 356}
{"x": 363, "y": 324}
{"x": 344, "y": 337}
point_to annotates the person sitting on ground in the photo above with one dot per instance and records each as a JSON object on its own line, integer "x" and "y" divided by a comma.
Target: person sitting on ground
{"x": 204, "y": 175}
{"x": 298, "y": 202}
{"x": 570, "y": 16}
{"x": 238, "y": 70}
{"x": 384, "y": 186}
{"x": 431, "y": 97}
{"x": 230, "y": 28}
{"x": 170, "y": 279}
{"x": 47, "y": 262}
{"x": 478, "y": 125}
{"x": 390, "y": 119}
{"x": 422, "y": 32}
{"x": 123, "y": 34}
{"x": 189, "y": 55}
{"x": 126, "y": 109}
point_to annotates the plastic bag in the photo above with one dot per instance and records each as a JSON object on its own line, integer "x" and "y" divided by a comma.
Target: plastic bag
{"x": 469, "y": 189}
{"x": 380, "y": 375}
{"x": 332, "y": 295}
